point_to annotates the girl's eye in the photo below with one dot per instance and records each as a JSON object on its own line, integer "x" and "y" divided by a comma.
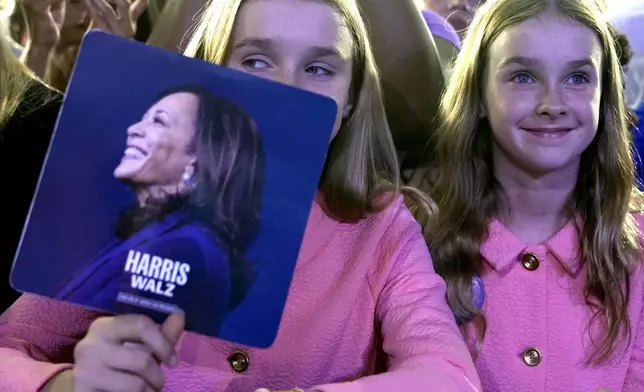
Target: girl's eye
{"x": 318, "y": 70}
{"x": 522, "y": 78}
{"x": 255, "y": 64}
{"x": 578, "y": 78}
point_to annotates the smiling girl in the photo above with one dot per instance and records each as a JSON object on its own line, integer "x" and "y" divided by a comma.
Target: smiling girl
{"x": 535, "y": 188}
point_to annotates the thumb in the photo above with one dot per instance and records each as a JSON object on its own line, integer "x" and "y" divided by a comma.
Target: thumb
{"x": 138, "y": 8}
{"x": 173, "y": 327}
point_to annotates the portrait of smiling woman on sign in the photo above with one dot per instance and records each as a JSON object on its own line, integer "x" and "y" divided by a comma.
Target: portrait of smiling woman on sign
{"x": 196, "y": 165}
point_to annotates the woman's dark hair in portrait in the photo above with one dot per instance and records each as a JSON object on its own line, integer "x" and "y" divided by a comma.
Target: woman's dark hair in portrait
{"x": 226, "y": 190}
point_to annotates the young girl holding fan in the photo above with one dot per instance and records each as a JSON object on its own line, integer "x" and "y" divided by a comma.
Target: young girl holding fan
{"x": 364, "y": 282}
{"x": 539, "y": 216}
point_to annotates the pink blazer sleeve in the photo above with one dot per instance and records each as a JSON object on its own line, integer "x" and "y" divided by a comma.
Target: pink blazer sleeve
{"x": 426, "y": 351}
{"x": 37, "y": 339}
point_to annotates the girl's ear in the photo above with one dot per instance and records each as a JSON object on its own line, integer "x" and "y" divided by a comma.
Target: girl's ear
{"x": 347, "y": 110}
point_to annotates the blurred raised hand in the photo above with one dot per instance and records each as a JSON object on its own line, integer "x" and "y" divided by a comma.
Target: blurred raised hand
{"x": 44, "y": 19}
{"x": 116, "y": 17}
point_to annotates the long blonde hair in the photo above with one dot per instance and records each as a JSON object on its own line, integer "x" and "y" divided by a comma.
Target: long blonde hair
{"x": 15, "y": 78}
{"x": 467, "y": 192}
{"x": 362, "y": 162}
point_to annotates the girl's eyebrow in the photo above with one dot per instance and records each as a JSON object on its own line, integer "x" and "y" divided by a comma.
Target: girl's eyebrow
{"x": 269, "y": 45}
{"x": 532, "y": 61}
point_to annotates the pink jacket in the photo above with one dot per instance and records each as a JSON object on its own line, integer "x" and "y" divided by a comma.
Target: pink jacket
{"x": 358, "y": 290}
{"x": 536, "y": 334}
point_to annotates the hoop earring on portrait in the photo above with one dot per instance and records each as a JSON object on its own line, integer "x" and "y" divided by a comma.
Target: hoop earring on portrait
{"x": 188, "y": 180}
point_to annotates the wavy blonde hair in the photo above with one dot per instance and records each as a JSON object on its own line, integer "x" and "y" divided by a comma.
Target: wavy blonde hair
{"x": 362, "y": 163}
{"x": 468, "y": 194}
{"x": 15, "y": 78}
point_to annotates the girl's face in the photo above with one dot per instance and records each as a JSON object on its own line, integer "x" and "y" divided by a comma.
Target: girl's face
{"x": 299, "y": 43}
{"x": 542, "y": 94}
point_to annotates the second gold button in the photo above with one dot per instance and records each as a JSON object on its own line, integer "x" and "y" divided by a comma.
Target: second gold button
{"x": 531, "y": 357}
{"x": 239, "y": 361}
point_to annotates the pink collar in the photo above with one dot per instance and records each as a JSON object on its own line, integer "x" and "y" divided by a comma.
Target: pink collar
{"x": 502, "y": 249}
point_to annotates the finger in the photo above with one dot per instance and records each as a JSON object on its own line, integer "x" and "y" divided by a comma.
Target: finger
{"x": 138, "y": 8}
{"x": 138, "y": 329}
{"x": 174, "y": 326}
{"x": 139, "y": 346}
{"x": 95, "y": 16}
{"x": 106, "y": 14}
{"x": 105, "y": 7}
{"x": 110, "y": 380}
{"x": 172, "y": 329}
{"x": 126, "y": 28}
{"x": 136, "y": 360}
{"x": 122, "y": 8}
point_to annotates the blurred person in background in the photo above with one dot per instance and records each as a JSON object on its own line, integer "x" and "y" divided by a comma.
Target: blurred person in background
{"x": 411, "y": 73}
{"x": 56, "y": 29}
{"x": 44, "y": 19}
{"x": 146, "y": 22}
{"x": 628, "y": 21}
{"x": 625, "y": 51}
{"x": 75, "y": 23}
{"x": 458, "y": 13}
{"x": 28, "y": 112}
{"x": 448, "y": 42}
{"x": 625, "y": 54}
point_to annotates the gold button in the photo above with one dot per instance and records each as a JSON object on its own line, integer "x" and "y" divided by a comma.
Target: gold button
{"x": 239, "y": 361}
{"x": 532, "y": 357}
{"x": 530, "y": 261}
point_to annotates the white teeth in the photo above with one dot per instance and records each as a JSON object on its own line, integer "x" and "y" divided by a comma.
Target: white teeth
{"x": 133, "y": 152}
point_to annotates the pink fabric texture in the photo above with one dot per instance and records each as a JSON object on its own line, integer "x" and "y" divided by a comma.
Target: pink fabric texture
{"x": 359, "y": 291}
{"x": 544, "y": 309}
